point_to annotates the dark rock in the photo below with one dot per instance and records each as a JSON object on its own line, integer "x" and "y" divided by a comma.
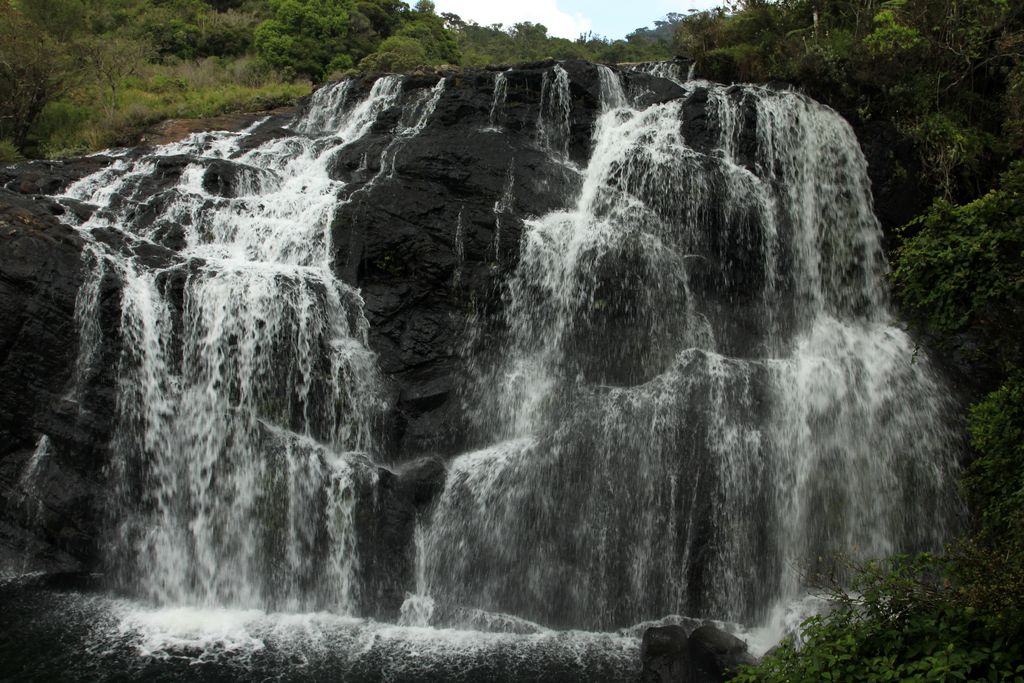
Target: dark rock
{"x": 230, "y": 179}
{"x": 272, "y": 128}
{"x": 386, "y": 528}
{"x": 646, "y": 89}
{"x": 174, "y": 130}
{"x": 698, "y": 654}
{"x": 715, "y": 655}
{"x": 40, "y": 273}
{"x": 664, "y": 655}
{"x": 429, "y": 245}
{"x": 420, "y": 481}
{"x": 49, "y": 177}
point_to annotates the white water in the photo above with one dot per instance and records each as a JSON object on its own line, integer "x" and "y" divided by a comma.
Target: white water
{"x": 703, "y": 397}
{"x": 672, "y": 71}
{"x": 393, "y": 652}
{"x": 555, "y": 116}
{"x": 612, "y": 94}
{"x": 716, "y": 399}
{"x": 504, "y": 206}
{"x": 31, "y": 479}
{"x": 498, "y": 101}
{"x": 230, "y": 483}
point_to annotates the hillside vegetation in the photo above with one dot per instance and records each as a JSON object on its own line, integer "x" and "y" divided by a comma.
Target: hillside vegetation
{"x": 81, "y": 75}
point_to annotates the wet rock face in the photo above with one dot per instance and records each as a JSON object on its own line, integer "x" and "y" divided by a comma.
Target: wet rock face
{"x": 51, "y": 503}
{"x": 428, "y": 228}
{"x": 431, "y": 245}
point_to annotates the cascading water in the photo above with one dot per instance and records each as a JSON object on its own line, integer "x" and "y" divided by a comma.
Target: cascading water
{"x": 612, "y": 94}
{"x": 553, "y": 119}
{"x": 229, "y": 488}
{"x": 30, "y": 477}
{"x": 672, "y": 71}
{"x": 699, "y": 398}
{"x": 704, "y": 396}
{"x": 498, "y": 101}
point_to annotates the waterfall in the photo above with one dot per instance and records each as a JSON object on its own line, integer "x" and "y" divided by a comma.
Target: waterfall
{"x": 31, "y": 478}
{"x": 700, "y": 395}
{"x": 554, "y": 118}
{"x": 414, "y": 119}
{"x": 498, "y": 100}
{"x": 670, "y": 70}
{"x": 326, "y": 108}
{"x": 460, "y": 248}
{"x": 703, "y": 396}
{"x": 504, "y": 206}
{"x": 246, "y": 393}
{"x": 612, "y": 94}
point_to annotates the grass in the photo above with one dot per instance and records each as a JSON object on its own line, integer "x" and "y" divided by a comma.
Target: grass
{"x": 89, "y": 119}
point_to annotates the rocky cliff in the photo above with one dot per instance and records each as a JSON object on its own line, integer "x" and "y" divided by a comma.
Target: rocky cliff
{"x": 428, "y": 243}
{"x": 426, "y": 226}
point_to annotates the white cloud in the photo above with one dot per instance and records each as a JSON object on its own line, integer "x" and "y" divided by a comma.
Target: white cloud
{"x": 547, "y": 12}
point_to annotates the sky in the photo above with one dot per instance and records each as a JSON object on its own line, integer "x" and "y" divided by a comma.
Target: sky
{"x": 570, "y": 18}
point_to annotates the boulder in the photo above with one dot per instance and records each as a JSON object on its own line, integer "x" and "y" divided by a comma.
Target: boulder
{"x": 665, "y": 655}
{"x": 672, "y": 654}
{"x": 229, "y": 179}
{"x": 715, "y": 655}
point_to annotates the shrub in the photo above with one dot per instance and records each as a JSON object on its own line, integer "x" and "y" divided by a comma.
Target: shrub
{"x": 906, "y": 619}
{"x": 397, "y": 53}
{"x": 9, "y": 152}
{"x": 959, "y": 274}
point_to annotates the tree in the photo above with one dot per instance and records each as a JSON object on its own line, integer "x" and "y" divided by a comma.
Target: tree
{"x": 698, "y": 33}
{"x": 61, "y": 19}
{"x": 110, "y": 61}
{"x": 34, "y": 70}
{"x": 397, "y": 53}
{"x": 308, "y": 37}
{"x": 428, "y": 29}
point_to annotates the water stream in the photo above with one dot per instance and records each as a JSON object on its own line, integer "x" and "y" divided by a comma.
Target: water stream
{"x": 701, "y": 399}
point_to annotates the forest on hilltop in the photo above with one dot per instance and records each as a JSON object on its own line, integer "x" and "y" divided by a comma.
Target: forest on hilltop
{"x": 81, "y": 75}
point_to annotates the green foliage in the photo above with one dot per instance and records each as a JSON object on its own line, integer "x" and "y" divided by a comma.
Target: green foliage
{"x": 945, "y": 72}
{"x": 9, "y": 152}
{"x": 961, "y": 274}
{"x": 890, "y": 36}
{"x": 307, "y": 37}
{"x": 397, "y": 53}
{"x": 427, "y": 29}
{"x": 170, "y": 31}
{"x": 994, "y": 483}
{"x": 81, "y": 74}
{"x": 526, "y": 42}
{"x": 58, "y": 129}
{"x": 35, "y": 69}
{"x": 909, "y": 619}
{"x": 76, "y": 75}
{"x": 313, "y": 38}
